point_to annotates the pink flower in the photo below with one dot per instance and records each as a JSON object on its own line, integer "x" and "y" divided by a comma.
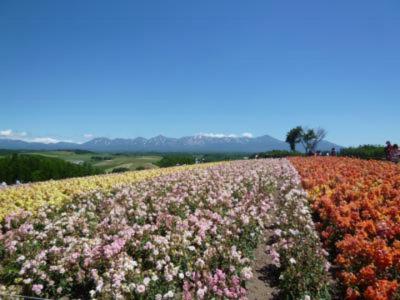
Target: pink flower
{"x": 114, "y": 248}
{"x": 37, "y": 288}
{"x": 141, "y": 289}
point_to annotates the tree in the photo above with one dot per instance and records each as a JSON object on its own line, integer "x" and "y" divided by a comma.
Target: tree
{"x": 120, "y": 170}
{"x": 31, "y": 168}
{"x": 176, "y": 159}
{"x": 311, "y": 138}
{"x": 293, "y": 137}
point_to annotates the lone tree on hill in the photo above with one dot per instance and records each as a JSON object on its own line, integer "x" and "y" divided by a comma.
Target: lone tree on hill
{"x": 309, "y": 138}
{"x": 293, "y": 137}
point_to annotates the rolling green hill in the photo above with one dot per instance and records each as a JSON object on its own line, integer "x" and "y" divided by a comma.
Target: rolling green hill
{"x": 104, "y": 161}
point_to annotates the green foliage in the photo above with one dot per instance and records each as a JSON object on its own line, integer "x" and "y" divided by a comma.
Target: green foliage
{"x": 5, "y": 152}
{"x": 309, "y": 138}
{"x": 276, "y": 154}
{"x": 293, "y": 137}
{"x": 214, "y": 157}
{"x": 31, "y": 168}
{"x": 78, "y": 151}
{"x": 364, "y": 152}
{"x": 100, "y": 158}
{"x": 120, "y": 170}
{"x": 176, "y": 159}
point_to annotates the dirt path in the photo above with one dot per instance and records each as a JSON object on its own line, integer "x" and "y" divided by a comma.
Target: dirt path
{"x": 263, "y": 284}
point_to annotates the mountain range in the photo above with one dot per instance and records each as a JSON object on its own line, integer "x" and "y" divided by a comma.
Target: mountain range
{"x": 160, "y": 143}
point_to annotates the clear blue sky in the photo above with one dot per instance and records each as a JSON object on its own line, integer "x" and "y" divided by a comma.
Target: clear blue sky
{"x": 142, "y": 68}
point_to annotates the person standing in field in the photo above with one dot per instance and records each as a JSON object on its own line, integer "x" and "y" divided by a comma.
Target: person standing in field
{"x": 388, "y": 150}
{"x": 333, "y": 152}
{"x": 395, "y": 155}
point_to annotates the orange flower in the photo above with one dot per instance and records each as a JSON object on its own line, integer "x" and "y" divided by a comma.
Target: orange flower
{"x": 348, "y": 278}
{"x": 358, "y": 206}
{"x": 367, "y": 275}
{"x": 382, "y": 290}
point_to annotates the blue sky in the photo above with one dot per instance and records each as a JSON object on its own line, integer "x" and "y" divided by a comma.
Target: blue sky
{"x": 71, "y": 69}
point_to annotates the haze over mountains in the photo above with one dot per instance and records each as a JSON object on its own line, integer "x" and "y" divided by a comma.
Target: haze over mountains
{"x": 160, "y": 143}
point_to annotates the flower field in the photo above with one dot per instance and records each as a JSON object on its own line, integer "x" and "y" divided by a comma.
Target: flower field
{"x": 187, "y": 235}
{"x": 358, "y": 206}
{"x": 31, "y": 196}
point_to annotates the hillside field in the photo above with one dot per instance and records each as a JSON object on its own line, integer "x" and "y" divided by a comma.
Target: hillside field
{"x": 112, "y": 161}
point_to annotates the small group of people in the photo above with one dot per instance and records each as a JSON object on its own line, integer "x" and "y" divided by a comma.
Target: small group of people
{"x": 320, "y": 153}
{"x": 392, "y": 152}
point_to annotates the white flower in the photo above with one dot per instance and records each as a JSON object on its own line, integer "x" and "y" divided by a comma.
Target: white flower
{"x": 200, "y": 263}
{"x": 169, "y": 277}
{"x": 181, "y": 275}
{"x": 306, "y": 297}
{"x": 170, "y": 294}
{"x": 201, "y": 292}
{"x": 154, "y": 277}
{"x": 246, "y": 273}
{"x": 327, "y": 266}
{"x": 146, "y": 281}
{"x": 99, "y": 286}
{"x": 292, "y": 261}
{"x": 21, "y": 258}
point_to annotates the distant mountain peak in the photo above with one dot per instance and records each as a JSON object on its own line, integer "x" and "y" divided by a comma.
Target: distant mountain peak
{"x": 100, "y": 140}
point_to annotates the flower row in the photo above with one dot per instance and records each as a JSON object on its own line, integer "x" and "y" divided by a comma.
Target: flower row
{"x": 358, "y": 205}
{"x": 296, "y": 250}
{"x": 31, "y": 196}
{"x": 187, "y": 234}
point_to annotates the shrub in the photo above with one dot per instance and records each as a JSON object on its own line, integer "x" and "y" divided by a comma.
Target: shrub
{"x": 277, "y": 154}
{"x": 120, "y": 170}
{"x": 176, "y": 159}
{"x": 364, "y": 152}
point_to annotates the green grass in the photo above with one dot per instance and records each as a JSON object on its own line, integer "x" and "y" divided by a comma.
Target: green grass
{"x": 129, "y": 161}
